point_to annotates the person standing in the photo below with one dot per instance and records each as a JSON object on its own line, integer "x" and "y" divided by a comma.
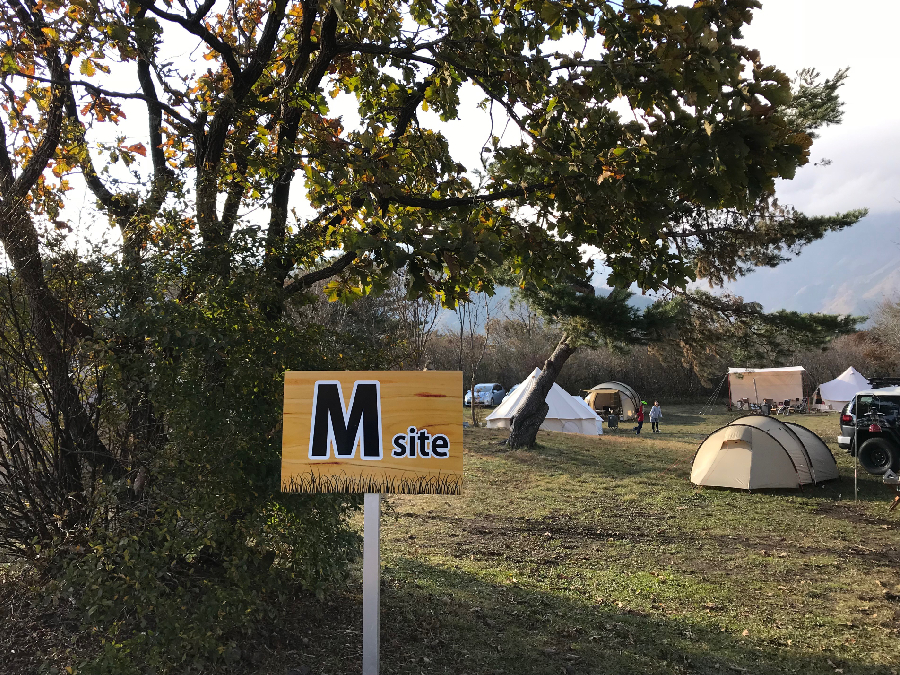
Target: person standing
{"x": 640, "y": 418}
{"x": 655, "y": 414}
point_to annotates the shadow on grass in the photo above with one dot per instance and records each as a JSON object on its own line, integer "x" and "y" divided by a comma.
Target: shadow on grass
{"x": 437, "y": 620}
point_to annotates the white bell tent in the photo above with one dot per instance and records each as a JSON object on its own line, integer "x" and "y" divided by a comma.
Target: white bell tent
{"x": 564, "y": 415}
{"x": 841, "y": 389}
{"x": 582, "y": 402}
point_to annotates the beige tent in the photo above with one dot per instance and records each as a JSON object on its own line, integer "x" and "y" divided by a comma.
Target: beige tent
{"x": 745, "y": 457}
{"x": 789, "y": 441}
{"x": 749, "y": 460}
{"x": 777, "y": 384}
{"x": 824, "y": 466}
{"x": 616, "y": 397}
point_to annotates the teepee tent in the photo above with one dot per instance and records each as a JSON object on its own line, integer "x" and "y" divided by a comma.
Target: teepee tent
{"x": 745, "y": 457}
{"x": 777, "y": 384}
{"x": 835, "y": 393}
{"x": 617, "y": 397}
{"x": 564, "y": 415}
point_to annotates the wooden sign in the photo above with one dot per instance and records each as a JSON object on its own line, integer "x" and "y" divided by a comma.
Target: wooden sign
{"x": 376, "y": 432}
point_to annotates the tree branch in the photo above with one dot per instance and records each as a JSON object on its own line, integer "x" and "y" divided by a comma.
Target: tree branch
{"x": 100, "y": 91}
{"x": 408, "y": 111}
{"x": 6, "y": 172}
{"x": 328, "y": 49}
{"x": 450, "y": 202}
{"x": 192, "y": 24}
{"x": 327, "y": 272}
{"x": 307, "y": 45}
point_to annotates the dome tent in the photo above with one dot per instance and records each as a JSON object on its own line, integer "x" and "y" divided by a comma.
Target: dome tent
{"x": 813, "y": 464}
{"x": 745, "y": 457}
{"x": 751, "y": 460}
{"x": 564, "y": 415}
{"x": 616, "y": 396}
{"x": 835, "y": 393}
{"x": 824, "y": 466}
{"x": 788, "y": 440}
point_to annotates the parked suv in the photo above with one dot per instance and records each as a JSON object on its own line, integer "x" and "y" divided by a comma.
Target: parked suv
{"x": 847, "y": 421}
{"x": 873, "y": 430}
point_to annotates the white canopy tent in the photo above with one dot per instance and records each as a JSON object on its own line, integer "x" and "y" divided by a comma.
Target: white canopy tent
{"x": 565, "y": 413}
{"x": 777, "y": 384}
{"x": 842, "y": 389}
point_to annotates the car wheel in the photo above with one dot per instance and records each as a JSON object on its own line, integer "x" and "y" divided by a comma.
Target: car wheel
{"x": 877, "y": 455}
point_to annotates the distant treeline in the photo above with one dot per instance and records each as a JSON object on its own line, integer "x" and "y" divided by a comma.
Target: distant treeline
{"x": 493, "y": 341}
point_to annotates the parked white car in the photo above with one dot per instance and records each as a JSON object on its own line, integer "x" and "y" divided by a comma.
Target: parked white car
{"x": 486, "y": 394}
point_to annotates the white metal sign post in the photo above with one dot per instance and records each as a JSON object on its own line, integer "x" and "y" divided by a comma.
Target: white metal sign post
{"x": 371, "y": 583}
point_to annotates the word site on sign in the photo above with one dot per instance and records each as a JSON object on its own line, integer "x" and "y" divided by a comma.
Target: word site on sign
{"x": 384, "y": 432}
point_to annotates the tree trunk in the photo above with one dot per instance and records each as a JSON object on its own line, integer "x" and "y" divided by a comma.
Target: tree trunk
{"x": 51, "y": 323}
{"x": 533, "y": 411}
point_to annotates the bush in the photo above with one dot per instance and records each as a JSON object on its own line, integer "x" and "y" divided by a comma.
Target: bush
{"x": 168, "y": 555}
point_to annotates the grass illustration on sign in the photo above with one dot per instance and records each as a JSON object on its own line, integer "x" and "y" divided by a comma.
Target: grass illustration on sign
{"x": 384, "y": 432}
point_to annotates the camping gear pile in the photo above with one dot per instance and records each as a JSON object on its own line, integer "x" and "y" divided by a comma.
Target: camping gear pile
{"x": 567, "y": 413}
{"x": 756, "y": 451}
{"x": 613, "y": 398}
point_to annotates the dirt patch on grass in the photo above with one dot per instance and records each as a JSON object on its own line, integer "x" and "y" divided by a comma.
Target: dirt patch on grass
{"x": 849, "y": 512}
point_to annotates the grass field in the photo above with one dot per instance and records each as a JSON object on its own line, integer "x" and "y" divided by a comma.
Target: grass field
{"x": 597, "y": 556}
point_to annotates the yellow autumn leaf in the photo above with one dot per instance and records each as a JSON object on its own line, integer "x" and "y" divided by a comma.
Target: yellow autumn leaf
{"x": 87, "y": 68}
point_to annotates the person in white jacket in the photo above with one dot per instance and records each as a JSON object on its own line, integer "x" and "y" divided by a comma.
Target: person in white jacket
{"x": 655, "y": 414}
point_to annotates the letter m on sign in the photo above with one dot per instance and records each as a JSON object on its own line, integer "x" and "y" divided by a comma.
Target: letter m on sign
{"x": 343, "y": 428}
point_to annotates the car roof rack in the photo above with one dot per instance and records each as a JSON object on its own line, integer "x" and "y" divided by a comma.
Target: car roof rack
{"x": 882, "y": 382}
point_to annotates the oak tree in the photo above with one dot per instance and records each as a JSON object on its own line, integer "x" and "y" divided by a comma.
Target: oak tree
{"x": 245, "y": 152}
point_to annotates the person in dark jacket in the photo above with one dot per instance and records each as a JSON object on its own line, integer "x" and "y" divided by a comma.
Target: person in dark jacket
{"x": 640, "y": 418}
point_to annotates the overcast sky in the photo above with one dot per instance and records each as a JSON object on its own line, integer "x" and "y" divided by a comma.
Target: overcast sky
{"x": 828, "y": 35}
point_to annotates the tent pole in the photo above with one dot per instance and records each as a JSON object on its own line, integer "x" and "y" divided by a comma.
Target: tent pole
{"x": 756, "y": 391}
{"x": 855, "y": 449}
{"x": 730, "y": 402}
